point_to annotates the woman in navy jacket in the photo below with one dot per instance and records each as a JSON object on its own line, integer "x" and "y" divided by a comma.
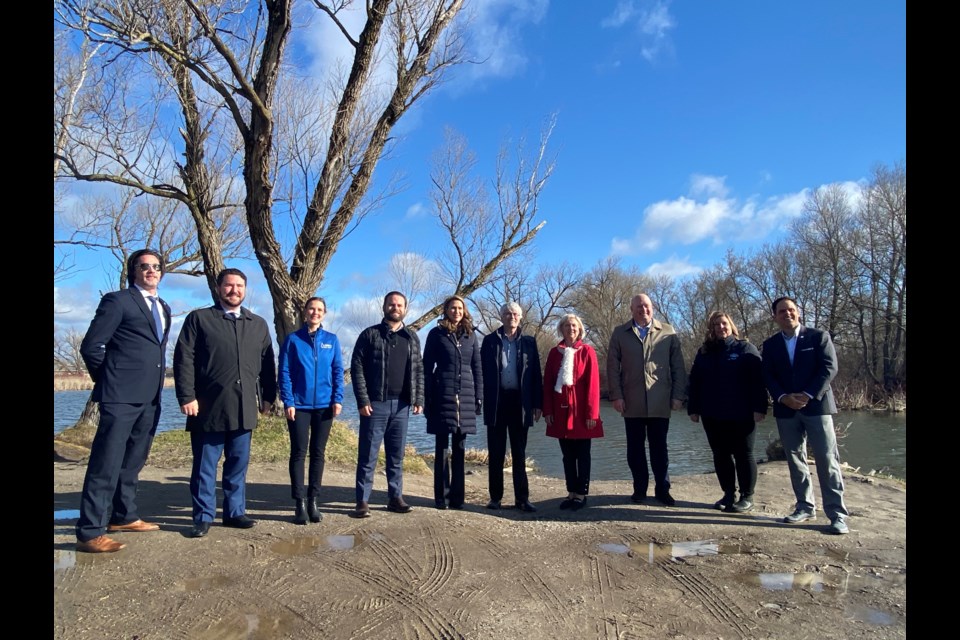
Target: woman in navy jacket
{"x": 311, "y": 387}
{"x": 453, "y": 386}
{"x": 728, "y": 393}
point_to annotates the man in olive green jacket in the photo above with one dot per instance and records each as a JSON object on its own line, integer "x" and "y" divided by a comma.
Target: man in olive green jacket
{"x": 647, "y": 379}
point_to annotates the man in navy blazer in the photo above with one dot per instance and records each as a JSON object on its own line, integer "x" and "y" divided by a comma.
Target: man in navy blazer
{"x": 124, "y": 352}
{"x": 798, "y": 365}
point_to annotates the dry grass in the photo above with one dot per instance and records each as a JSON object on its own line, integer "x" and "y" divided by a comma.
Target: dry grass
{"x": 271, "y": 443}
{"x": 82, "y": 382}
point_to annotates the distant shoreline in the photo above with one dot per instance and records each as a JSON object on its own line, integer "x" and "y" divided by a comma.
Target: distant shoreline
{"x": 82, "y": 382}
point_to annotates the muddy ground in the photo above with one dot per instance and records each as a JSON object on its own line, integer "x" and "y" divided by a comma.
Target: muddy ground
{"x": 612, "y": 570}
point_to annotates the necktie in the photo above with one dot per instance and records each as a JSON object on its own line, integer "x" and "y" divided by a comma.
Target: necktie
{"x": 157, "y": 321}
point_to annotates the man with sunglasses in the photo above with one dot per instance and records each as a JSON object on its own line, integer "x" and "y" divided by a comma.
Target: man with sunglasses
{"x": 124, "y": 352}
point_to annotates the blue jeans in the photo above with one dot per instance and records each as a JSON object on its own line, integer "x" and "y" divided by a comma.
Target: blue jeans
{"x": 207, "y": 448}
{"x": 638, "y": 430}
{"x": 387, "y": 425}
{"x": 795, "y": 432}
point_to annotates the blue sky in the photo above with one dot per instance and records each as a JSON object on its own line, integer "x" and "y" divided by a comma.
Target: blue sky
{"x": 682, "y": 130}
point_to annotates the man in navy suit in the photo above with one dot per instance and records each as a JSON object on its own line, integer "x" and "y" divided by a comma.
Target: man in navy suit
{"x": 798, "y": 365}
{"x": 124, "y": 352}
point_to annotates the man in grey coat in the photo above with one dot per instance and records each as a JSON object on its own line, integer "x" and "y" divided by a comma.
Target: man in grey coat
{"x": 647, "y": 380}
{"x": 798, "y": 365}
{"x": 224, "y": 371}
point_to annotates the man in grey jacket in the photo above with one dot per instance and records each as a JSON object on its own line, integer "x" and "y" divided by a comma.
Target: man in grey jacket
{"x": 647, "y": 380}
{"x": 387, "y": 376}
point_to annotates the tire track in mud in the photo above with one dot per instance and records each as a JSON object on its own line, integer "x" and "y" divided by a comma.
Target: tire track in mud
{"x": 395, "y": 557}
{"x": 433, "y": 623}
{"x": 705, "y": 592}
{"x": 443, "y": 563}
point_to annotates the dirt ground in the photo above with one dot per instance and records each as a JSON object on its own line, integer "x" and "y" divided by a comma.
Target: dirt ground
{"x": 612, "y": 570}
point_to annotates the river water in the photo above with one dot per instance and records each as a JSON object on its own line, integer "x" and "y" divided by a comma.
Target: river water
{"x": 868, "y": 440}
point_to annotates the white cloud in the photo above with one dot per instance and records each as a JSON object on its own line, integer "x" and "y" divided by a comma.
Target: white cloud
{"x": 622, "y": 13}
{"x": 708, "y": 186}
{"x": 651, "y": 21}
{"x": 416, "y": 211}
{"x": 493, "y": 37}
{"x": 674, "y": 267}
{"x": 710, "y": 213}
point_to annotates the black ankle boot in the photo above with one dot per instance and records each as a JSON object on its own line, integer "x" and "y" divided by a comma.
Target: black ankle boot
{"x": 300, "y": 513}
{"x": 313, "y": 511}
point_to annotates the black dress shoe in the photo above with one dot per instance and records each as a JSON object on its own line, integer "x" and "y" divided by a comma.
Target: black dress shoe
{"x": 744, "y": 505}
{"x": 526, "y": 506}
{"x": 567, "y": 504}
{"x": 440, "y": 504}
{"x": 300, "y": 512}
{"x": 666, "y": 499}
{"x": 723, "y": 502}
{"x": 578, "y": 503}
{"x": 313, "y": 511}
{"x": 240, "y": 522}
{"x": 199, "y": 530}
{"x": 397, "y": 505}
{"x": 493, "y": 504}
{"x": 456, "y": 505}
{"x": 638, "y": 498}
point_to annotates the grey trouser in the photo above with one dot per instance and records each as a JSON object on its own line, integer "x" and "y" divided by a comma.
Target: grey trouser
{"x": 795, "y": 433}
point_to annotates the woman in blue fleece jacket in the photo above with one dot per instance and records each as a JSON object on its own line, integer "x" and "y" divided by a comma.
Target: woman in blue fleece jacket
{"x": 311, "y": 387}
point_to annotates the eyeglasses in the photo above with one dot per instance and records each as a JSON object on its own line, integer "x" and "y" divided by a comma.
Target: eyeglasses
{"x": 146, "y": 266}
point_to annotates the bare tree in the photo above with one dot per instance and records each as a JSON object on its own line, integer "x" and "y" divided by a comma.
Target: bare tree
{"x": 484, "y": 231}
{"x": 66, "y": 351}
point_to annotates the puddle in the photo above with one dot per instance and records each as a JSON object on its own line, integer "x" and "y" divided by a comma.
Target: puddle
{"x": 785, "y": 581}
{"x": 868, "y": 615}
{"x": 64, "y": 560}
{"x": 249, "y": 626}
{"x": 199, "y": 584}
{"x": 660, "y": 552}
{"x": 310, "y": 544}
{"x": 869, "y": 581}
{"x": 66, "y": 514}
{"x": 613, "y": 547}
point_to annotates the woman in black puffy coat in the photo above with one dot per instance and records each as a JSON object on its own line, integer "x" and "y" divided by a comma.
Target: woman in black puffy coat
{"x": 453, "y": 384}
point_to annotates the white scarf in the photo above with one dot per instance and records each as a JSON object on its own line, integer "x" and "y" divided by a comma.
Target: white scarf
{"x": 565, "y": 376}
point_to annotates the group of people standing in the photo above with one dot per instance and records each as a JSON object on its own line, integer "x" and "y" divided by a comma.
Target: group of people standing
{"x": 225, "y": 374}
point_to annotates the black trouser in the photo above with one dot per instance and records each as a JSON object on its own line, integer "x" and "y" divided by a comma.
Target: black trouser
{"x": 638, "y": 430}
{"x": 309, "y": 428}
{"x": 118, "y": 453}
{"x": 732, "y": 445}
{"x": 576, "y": 464}
{"x": 448, "y": 476}
{"x": 509, "y": 422}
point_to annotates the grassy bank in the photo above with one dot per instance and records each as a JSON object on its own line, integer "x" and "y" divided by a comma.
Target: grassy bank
{"x": 82, "y": 382}
{"x": 271, "y": 443}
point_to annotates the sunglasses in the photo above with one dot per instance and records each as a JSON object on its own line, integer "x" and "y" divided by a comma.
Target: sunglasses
{"x": 143, "y": 266}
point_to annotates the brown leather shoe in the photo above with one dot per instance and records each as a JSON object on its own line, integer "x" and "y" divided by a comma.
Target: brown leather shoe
{"x": 397, "y": 505}
{"x": 137, "y": 525}
{"x": 100, "y": 544}
{"x": 362, "y": 511}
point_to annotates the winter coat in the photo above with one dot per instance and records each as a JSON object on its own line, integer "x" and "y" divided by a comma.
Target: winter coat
{"x": 726, "y": 381}
{"x": 227, "y": 366}
{"x": 574, "y": 404}
{"x": 646, "y": 375}
{"x": 531, "y": 380}
{"x": 310, "y": 371}
{"x": 453, "y": 381}
{"x": 368, "y": 366}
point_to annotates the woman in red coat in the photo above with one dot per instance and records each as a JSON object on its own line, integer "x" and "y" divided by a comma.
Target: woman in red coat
{"x": 571, "y": 406}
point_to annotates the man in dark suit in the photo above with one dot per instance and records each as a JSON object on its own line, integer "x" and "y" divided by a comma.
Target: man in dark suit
{"x": 513, "y": 390}
{"x": 124, "y": 352}
{"x": 798, "y": 365}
